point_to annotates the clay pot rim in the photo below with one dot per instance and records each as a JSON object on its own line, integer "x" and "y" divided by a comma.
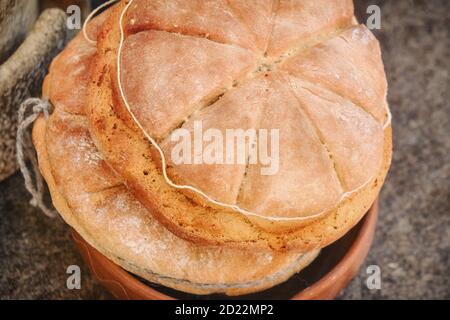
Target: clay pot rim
{"x": 351, "y": 261}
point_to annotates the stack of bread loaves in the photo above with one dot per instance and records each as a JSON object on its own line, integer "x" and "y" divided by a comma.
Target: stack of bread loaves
{"x": 215, "y": 146}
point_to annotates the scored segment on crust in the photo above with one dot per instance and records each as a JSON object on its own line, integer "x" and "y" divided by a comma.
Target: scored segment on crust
{"x": 204, "y": 224}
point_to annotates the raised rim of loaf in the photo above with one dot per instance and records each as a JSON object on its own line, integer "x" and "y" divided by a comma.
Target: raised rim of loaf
{"x": 95, "y": 202}
{"x": 330, "y": 85}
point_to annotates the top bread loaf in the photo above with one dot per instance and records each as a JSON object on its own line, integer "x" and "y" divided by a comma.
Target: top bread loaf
{"x": 175, "y": 83}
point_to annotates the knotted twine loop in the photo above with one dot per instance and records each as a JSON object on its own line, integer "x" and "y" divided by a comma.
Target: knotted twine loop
{"x": 29, "y": 111}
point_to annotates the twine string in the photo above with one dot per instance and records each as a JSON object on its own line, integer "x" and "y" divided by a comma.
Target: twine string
{"x": 28, "y": 113}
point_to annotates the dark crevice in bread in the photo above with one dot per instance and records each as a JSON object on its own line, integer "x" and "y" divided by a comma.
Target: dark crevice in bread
{"x": 275, "y": 5}
{"x": 320, "y": 137}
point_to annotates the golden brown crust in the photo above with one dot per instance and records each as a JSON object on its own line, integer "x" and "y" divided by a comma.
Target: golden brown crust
{"x": 177, "y": 86}
{"x": 223, "y": 21}
{"x": 74, "y": 62}
{"x": 243, "y": 233}
{"x": 128, "y": 152}
{"x": 298, "y": 22}
{"x": 350, "y": 65}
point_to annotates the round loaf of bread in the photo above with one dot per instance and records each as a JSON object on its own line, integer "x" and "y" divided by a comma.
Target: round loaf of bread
{"x": 301, "y": 71}
{"x": 93, "y": 200}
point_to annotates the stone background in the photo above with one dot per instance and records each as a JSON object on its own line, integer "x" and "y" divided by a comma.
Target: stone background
{"x": 412, "y": 243}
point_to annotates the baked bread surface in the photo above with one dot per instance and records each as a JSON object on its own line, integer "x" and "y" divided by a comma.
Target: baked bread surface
{"x": 325, "y": 92}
